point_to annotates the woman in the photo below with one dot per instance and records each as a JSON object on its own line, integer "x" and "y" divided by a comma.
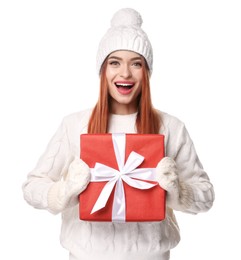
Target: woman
{"x": 124, "y": 62}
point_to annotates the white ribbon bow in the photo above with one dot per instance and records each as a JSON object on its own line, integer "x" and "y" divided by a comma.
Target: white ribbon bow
{"x": 127, "y": 171}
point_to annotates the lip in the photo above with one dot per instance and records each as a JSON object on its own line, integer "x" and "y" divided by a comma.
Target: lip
{"x": 124, "y": 87}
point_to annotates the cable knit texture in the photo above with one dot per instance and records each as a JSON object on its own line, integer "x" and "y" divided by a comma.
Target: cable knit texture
{"x": 65, "y": 193}
{"x": 125, "y": 33}
{"x": 46, "y": 186}
{"x": 179, "y": 195}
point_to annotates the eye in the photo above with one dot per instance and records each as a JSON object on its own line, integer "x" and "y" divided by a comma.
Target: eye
{"x": 137, "y": 64}
{"x": 114, "y": 63}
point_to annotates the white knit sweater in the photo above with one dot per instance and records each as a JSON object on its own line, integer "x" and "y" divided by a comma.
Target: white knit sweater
{"x": 119, "y": 241}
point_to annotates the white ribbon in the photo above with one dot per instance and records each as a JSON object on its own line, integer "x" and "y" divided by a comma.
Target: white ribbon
{"x": 127, "y": 171}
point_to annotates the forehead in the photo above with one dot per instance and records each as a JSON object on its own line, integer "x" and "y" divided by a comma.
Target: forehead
{"x": 125, "y": 54}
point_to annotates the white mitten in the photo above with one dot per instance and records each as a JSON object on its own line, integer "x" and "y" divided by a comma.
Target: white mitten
{"x": 167, "y": 177}
{"x": 65, "y": 193}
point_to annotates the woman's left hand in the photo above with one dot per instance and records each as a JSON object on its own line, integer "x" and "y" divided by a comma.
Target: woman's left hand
{"x": 167, "y": 177}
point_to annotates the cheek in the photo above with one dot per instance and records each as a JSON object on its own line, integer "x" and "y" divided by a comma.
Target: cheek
{"x": 138, "y": 91}
{"x": 109, "y": 74}
{"x": 111, "y": 87}
{"x": 110, "y": 77}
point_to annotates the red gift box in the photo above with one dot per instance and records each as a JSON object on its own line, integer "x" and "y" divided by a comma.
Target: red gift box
{"x": 123, "y": 186}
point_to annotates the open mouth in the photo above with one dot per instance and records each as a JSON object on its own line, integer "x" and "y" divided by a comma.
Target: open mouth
{"x": 124, "y": 85}
{"x": 124, "y": 88}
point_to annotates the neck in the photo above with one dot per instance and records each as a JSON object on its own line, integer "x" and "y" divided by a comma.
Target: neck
{"x": 123, "y": 109}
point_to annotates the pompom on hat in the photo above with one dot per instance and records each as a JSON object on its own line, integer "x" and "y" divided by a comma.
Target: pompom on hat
{"x": 125, "y": 33}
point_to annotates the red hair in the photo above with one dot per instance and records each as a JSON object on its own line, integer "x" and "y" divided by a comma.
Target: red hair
{"x": 148, "y": 120}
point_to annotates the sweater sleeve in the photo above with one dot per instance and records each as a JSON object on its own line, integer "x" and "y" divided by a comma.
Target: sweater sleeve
{"x": 196, "y": 190}
{"x": 51, "y": 167}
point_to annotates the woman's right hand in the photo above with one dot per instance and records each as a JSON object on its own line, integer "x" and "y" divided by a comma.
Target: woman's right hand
{"x": 65, "y": 193}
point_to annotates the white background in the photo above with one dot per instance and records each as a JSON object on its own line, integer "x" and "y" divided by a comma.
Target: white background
{"x": 47, "y": 70}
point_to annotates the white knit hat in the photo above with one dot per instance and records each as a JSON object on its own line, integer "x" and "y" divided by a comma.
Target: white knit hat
{"x": 125, "y": 33}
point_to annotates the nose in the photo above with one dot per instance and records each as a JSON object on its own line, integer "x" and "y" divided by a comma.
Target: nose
{"x": 125, "y": 71}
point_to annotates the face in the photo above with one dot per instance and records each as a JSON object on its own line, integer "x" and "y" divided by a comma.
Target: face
{"x": 124, "y": 78}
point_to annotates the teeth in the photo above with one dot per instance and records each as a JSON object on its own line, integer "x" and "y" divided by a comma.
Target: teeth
{"x": 124, "y": 85}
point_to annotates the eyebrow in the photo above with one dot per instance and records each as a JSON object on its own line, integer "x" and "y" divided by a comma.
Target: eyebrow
{"x": 119, "y": 58}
